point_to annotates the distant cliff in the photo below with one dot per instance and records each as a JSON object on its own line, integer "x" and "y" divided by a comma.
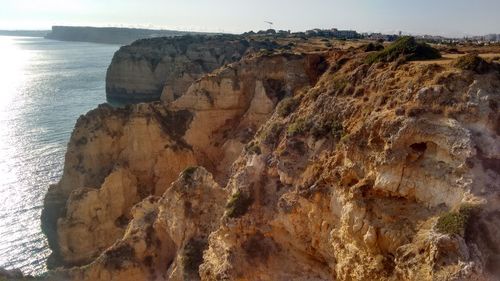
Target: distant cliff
{"x": 107, "y": 35}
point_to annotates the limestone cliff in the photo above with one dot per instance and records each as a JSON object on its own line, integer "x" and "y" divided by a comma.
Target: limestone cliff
{"x": 290, "y": 166}
{"x": 380, "y": 172}
{"x": 116, "y": 157}
{"x": 110, "y": 149}
{"x": 165, "y": 67}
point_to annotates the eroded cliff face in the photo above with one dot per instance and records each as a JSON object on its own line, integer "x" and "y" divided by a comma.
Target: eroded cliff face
{"x": 166, "y": 236}
{"x": 230, "y": 104}
{"x": 165, "y": 67}
{"x": 380, "y": 173}
{"x": 314, "y": 166}
{"x": 117, "y": 157}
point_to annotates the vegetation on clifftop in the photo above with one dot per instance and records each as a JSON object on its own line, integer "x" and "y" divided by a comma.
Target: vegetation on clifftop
{"x": 472, "y": 62}
{"x": 406, "y": 47}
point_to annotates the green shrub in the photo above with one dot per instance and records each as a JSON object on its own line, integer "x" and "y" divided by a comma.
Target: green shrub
{"x": 338, "y": 84}
{"x": 238, "y": 204}
{"x": 272, "y": 133}
{"x": 299, "y": 127}
{"x": 373, "y": 47}
{"x": 287, "y": 106}
{"x": 245, "y": 43}
{"x": 406, "y": 47}
{"x": 188, "y": 172}
{"x": 471, "y": 62}
{"x": 253, "y": 148}
{"x": 265, "y": 52}
{"x": 456, "y": 222}
{"x": 327, "y": 127}
{"x": 117, "y": 256}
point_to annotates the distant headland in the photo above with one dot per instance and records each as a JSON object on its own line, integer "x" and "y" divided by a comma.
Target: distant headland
{"x": 107, "y": 35}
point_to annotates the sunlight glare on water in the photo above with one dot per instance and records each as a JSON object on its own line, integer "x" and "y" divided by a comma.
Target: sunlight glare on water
{"x": 44, "y": 86}
{"x": 13, "y": 62}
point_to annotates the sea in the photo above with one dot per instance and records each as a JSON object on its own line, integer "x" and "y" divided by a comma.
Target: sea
{"x": 45, "y": 86}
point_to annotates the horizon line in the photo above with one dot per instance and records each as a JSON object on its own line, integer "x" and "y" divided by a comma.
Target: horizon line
{"x": 220, "y": 30}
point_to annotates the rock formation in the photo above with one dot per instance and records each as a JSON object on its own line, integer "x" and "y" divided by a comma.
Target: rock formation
{"x": 165, "y": 67}
{"x": 289, "y": 166}
{"x": 169, "y": 230}
{"x": 10, "y": 274}
{"x": 112, "y": 148}
{"x": 381, "y": 173}
{"x": 116, "y": 157}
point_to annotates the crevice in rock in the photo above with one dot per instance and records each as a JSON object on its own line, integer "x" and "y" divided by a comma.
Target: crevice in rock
{"x": 420, "y": 147}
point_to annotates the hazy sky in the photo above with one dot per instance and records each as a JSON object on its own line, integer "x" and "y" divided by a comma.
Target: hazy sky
{"x": 441, "y": 17}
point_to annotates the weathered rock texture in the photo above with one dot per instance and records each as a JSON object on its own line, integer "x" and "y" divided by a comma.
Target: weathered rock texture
{"x": 165, "y": 67}
{"x": 353, "y": 186}
{"x": 117, "y": 157}
{"x": 171, "y": 230}
{"x": 316, "y": 167}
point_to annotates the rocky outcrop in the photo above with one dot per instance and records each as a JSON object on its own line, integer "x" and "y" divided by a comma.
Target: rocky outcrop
{"x": 10, "y": 274}
{"x": 96, "y": 217}
{"x": 117, "y": 157}
{"x": 315, "y": 166}
{"x": 165, "y": 67}
{"x": 230, "y": 104}
{"x": 171, "y": 230}
{"x": 111, "y": 148}
{"x": 375, "y": 176}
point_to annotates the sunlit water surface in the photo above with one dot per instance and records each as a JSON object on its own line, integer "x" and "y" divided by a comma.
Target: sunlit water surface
{"x": 44, "y": 86}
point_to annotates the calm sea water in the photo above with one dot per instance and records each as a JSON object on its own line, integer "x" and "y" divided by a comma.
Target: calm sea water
{"x": 44, "y": 86}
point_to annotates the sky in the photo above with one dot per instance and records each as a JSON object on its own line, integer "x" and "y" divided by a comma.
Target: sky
{"x": 436, "y": 17}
